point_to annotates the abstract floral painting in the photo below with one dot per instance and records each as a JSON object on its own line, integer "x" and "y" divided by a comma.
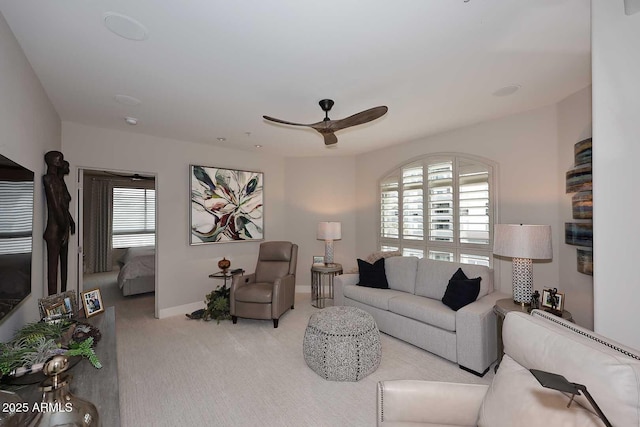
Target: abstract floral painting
{"x": 226, "y": 205}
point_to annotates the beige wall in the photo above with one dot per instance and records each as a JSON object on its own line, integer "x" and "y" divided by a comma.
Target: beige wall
{"x": 525, "y": 148}
{"x": 29, "y": 127}
{"x": 320, "y": 189}
{"x": 616, "y": 150}
{"x": 574, "y": 125}
{"x": 182, "y": 270}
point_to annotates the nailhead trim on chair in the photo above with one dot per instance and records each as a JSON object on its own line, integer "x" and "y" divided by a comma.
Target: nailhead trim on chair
{"x": 381, "y": 388}
{"x": 554, "y": 319}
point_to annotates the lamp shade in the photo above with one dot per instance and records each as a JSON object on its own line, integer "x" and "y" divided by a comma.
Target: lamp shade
{"x": 329, "y": 230}
{"x": 522, "y": 241}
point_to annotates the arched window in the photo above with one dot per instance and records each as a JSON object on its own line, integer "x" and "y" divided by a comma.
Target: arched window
{"x": 440, "y": 206}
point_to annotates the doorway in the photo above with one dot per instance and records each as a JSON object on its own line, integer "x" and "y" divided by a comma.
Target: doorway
{"x": 117, "y": 235}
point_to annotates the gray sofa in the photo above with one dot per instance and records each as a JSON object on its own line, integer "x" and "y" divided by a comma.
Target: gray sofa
{"x": 411, "y": 309}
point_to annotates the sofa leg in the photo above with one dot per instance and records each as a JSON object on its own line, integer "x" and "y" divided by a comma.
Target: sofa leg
{"x": 275, "y": 323}
{"x": 291, "y": 306}
{"x": 234, "y": 319}
{"x": 478, "y": 374}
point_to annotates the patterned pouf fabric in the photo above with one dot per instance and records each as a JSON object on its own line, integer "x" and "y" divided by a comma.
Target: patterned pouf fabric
{"x": 342, "y": 344}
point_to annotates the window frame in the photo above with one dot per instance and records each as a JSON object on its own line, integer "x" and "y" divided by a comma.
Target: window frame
{"x": 425, "y": 244}
{"x": 138, "y": 232}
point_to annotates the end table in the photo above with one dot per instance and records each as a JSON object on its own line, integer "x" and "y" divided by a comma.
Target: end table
{"x": 322, "y": 284}
{"x": 226, "y": 275}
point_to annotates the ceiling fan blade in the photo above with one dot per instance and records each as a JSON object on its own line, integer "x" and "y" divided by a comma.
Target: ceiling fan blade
{"x": 358, "y": 118}
{"x": 271, "y": 119}
{"x": 329, "y": 138}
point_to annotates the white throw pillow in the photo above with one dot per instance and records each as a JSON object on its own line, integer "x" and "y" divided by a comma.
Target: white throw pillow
{"x": 516, "y": 398}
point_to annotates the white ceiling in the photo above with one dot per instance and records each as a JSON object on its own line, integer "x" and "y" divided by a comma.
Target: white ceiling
{"x": 213, "y": 68}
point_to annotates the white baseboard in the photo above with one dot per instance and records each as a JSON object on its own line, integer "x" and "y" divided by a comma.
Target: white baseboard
{"x": 180, "y": 309}
{"x": 188, "y": 308}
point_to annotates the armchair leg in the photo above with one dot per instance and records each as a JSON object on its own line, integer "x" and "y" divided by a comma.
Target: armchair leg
{"x": 275, "y": 323}
{"x": 291, "y": 306}
{"x": 234, "y": 319}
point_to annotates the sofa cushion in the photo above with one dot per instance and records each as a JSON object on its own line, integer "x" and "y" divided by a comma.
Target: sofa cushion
{"x": 425, "y": 310}
{"x": 372, "y": 275}
{"x": 401, "y": 273}
{"x": 370, "y": 296}
{"x": 461, "y": 292}
{"x": 433, "y": 277}
{"x": 516, "y": 398}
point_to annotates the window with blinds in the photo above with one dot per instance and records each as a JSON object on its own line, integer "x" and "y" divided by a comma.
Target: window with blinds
{"x": 134, "y": 217}
{"x": 449, "y": 196}
{"x": 16, "y": 216}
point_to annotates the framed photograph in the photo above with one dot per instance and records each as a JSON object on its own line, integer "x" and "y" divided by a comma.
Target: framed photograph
{"x": 92, "y": 302}
{"x": 226, "y": 205}
{"x": 59, "y": 305}
{"x": 547, "y": 301}
{"x": 318, "y": 259}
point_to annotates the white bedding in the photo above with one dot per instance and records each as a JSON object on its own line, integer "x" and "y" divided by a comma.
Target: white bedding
{"x": 137, "y": 262}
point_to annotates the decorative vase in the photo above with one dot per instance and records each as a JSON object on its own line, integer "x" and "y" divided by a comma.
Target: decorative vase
{"x": 60, "y": 407}
{"x": 224, "y": 264}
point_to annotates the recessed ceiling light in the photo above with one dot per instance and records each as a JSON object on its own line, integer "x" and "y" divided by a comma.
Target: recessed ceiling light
{"x": 127, "y": 100}
{"x": 131, "y": 121}
{"x": 221, "y": 139}
{"x": 125, "y": 26}
{"x": 258, "y": 146}
{"x": 507, "y": 90}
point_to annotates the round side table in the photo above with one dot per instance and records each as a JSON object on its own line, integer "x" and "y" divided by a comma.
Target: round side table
{"x": 322, "y": 284}
{"x": 504, "y": 306}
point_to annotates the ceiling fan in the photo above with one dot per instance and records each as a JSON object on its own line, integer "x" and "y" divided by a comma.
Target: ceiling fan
{"x": 133, "y": 177}
{"x": 327, "y": 127}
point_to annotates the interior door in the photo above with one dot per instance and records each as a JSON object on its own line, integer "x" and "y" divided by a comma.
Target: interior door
{"x": 80, "y": 230}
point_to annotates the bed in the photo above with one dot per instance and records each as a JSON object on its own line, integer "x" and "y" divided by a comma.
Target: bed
{"x": 137, "y": 271}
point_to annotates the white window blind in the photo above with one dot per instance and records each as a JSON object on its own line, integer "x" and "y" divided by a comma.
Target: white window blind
{"x": 412, "y": 203}
{"x": 449, "y": 196}
{"x": 389, "y": 219}
{"x": 16, "y": 216}
{"x": 134, "y": 218}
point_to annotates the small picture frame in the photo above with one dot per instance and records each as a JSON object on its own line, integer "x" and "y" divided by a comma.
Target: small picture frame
{"x": 92, "y": 302}
{"x": 547, "y": 302}
{"x": 56, "y": 310}
{"x": 62, "y": 305}
{"x": 318, "y": 259}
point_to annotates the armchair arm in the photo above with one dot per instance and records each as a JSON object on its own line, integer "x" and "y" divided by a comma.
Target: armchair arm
{"x": 339, "y": 282}
{"x": 237, "y": 282}
{"x": 283, "y": 295}
{"x": 409, "y": 402}
{"x": 476, "y": 333}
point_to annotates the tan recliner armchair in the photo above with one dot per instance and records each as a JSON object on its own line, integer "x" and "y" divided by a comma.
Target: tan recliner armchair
{"x": 271, "y": 290}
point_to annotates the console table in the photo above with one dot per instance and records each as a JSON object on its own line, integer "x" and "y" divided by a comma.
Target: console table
{"x": 99, "y": 386}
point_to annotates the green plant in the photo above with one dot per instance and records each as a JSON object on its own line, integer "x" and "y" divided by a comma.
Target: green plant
{"x": 36, "y": 342}
{"x": 217, "y": 304}
{"x": 84, "y": 349}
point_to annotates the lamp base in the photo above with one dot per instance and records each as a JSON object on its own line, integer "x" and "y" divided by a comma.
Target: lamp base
{"x": 328, "y": 252}
{"x": 522, "y": 280}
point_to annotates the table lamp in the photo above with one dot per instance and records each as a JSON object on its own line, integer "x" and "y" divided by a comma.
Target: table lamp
{"x": 560, "y": 383}
{"x": 329, "y": 231}
{"x": 523, "y": 243}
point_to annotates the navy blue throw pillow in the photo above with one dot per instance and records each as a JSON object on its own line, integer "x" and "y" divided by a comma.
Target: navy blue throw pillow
{"x": 373, "y": 275}
{"x": 461, "y": 292}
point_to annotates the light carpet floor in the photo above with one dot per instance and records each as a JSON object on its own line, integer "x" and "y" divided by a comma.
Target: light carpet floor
{"x": 181, "y": 372}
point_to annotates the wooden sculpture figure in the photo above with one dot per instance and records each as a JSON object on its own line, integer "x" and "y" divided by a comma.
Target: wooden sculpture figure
{"x": 59, "y": 222}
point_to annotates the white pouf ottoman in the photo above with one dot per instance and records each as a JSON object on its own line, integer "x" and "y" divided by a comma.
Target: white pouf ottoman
{"x": 342, "y": 344}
